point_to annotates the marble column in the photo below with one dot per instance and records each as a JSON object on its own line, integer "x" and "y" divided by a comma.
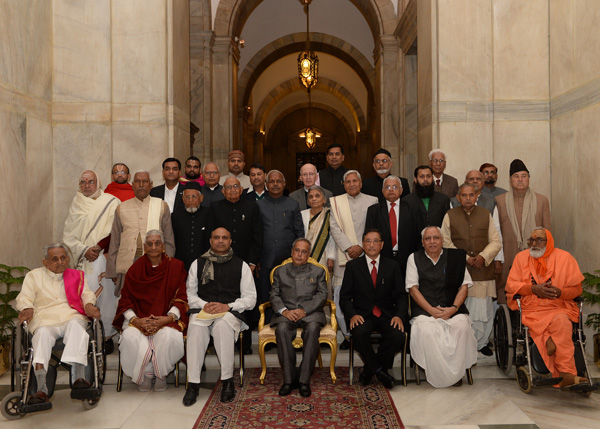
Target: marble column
{"x": 201, "y": 43}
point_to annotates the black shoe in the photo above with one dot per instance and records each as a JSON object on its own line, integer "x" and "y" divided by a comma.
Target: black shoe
{"x": 191, "y": 394}
{"x": 228, "y": 392}
{"x": 109, "y": 346}
{"x": 38, "y": 398}
{"x": 386, "y": 379}
{"x": 364, "y": 377}
{"x": 247, "y": 352}
{"x": 81, "y": 383}
{"x": 286, "y": 389}
{"x": 304, "y": 390}
{"x": 486, "y": 351}
{"x": 345, "y": 345}
{"x": 458, "y": 383}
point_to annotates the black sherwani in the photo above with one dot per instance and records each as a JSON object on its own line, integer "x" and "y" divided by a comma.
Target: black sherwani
{"x": 191, "y": 236}
{"x": 211, "y": 195}
{"x": 332, "y": 180}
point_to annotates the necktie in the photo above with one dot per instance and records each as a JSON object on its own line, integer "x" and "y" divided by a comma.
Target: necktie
{"x": 393, "y": 225}
{"x": 376, "y": 310}
{"x": 437, "y": 182}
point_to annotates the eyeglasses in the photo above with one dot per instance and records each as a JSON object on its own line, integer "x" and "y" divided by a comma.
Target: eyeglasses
{"x": 391, "y": 187}
{"x": 372, "y": 240}
{"x": 381, "y": 161}
{"x": 210, "y": 173}
{"x": 310, "y": 173}
{"x": 87, "y": 182}
{"x": 438, "y": 161}
{"x": 538, "y": 240}
{"x": 230, "y": 187}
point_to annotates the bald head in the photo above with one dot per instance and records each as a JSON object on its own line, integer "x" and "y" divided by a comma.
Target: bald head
{"x": 308, "y": 173}
{"x": 475, "y": 177}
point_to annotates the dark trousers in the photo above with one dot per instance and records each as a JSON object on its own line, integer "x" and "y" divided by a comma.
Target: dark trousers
{"x": 391, "y": 343}
{"x": 285, "y": 332}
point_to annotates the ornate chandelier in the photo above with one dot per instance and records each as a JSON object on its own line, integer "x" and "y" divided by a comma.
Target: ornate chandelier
{"x": 308, "y": 62}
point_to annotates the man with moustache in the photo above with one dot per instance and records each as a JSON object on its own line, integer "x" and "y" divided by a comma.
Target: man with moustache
{"x": 235, "y": 164}
{"x": 120, "y": 186}
{"x": 475, "y": 178}
{"x": 332, "y": 177}
{"x": 211, "y": 190}
{"x": 382, "y": 164}
{"x": 193, "y": 171}
{"x": 443, "y": 183}
{"x": 490, "y": 174}
{"x": 308, "y": 175}
{"x": 171, "y": 191}
{"x": 257, "y": 179}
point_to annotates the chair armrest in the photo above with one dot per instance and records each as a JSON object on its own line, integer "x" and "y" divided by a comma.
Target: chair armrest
{"x": 332, "y": 307}
{"x": 261, "y": 309}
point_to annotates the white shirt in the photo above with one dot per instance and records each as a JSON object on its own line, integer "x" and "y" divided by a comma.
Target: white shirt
{"x": 412, "y": 274}
{"x": 370, "y": 263}
{"x": 397, "y": 211}
{"x": 170, "y": 195}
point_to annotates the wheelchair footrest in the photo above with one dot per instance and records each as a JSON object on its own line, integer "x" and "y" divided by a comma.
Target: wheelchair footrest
{"x": 546, "y": 381}
{"x": 34, "y": 408}
{"x": 86, "y": 394}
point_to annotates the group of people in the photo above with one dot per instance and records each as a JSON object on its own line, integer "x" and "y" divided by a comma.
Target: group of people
{"x": 198, "y": 254}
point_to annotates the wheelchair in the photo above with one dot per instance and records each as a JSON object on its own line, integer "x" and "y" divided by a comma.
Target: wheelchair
{"x": 14, "y": 405}
{"x": 514, "y": 346}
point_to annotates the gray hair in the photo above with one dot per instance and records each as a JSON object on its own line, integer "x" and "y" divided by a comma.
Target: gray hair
{"x": 143, "y": 172}
{"x": 320, "y": 190}
{"x": 297, "y": 240}
{"x": 214, "y": 163}
{"x": 434, "y": 151}
{"x": 275, "y": 171}
{"x": 466, "y": 184}
{"x": 156, "y": 232}
{"x": 351, "y": 172}
{"x": 391, "y": 177}
{"x": 431, "y": 226}
{"x": 45, "y": 250}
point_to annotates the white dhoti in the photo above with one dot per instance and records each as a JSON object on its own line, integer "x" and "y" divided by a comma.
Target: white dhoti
{"x": 224, "y": 331}
{"x": 443, "y": 348}
{"x": 107, "y": 301}
{"x": 481, "y": 312}
{"x": 75, "y": 338}
{"x": 337, "y": 287}
{"x": 139, "y": 353}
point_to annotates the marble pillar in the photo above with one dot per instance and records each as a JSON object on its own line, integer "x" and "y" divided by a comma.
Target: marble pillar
{"x": 201, "y": 43}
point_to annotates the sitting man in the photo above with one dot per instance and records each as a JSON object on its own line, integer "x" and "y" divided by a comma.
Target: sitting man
{"x": 220, "y": 287}
{"x": 442, "y": 340}
{"x": 298, "y": 293}
{"x": 373, "y": 299}
{"x": 153, "y": 297}
{"x": 548, "y": 279}
{"x": 56, "y": 302}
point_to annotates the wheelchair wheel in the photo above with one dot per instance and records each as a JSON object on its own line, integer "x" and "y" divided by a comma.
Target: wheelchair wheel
{"x": 88, "y": 404}
{"x": 10, "y": 406}
{"x": 100, "y": 353}
{"x": 524, "y": 379}
{"x": 503, "y": 339}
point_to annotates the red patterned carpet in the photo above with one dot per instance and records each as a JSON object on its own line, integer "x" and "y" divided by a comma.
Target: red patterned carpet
{"x": 330, "y": 406}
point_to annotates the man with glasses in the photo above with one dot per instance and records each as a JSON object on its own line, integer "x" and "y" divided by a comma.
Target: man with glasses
{"x": 120, "y": 186}
{"x": 382, "y": 164}
{"x": 443, "y": 183}
{"x": 308, "y": 175}
{"x": 490, "y": 176}
{"x": 211, "y": 190}
{"x": 373, "y": 298}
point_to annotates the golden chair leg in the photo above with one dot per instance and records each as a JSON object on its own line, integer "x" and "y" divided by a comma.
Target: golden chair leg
{"x": 263, "y": 362}
{"x": 333, "y": 347}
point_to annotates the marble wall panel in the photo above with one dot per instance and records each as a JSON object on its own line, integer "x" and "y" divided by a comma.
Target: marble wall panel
{"x": 77, "y": 147}
{"x": 139, "y": 51}
{"x": 561, "y": 46}
{"x": 82, "y": 43}
{"x": 465, "y": 50}
{"x": 520, "y": 49}
{"x": 467, "y": 146}
{"x": 528, "y": 141}
{"x": 26, "y": 46}
{"x": 586, "y": 40}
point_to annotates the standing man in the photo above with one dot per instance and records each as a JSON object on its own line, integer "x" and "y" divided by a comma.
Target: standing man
{"x": 282, "y": 224}
{"x": 520, "y": 210}
{"x": 133, "y": 219}
{"x": 212, "y": 191}
{"x": 382, "y": 164}
{"x": 171, "y": 192}
{"x": 308, "y": 175}
{"x": 87, "y": 228}
{"x": 490, "y": 174}
{"x": 120, "y": 186}
{"x": 443, "y": 183}
{"x": 441, "y": 340}
{"x": 373, "y": 298}
{"x": 427, "y": 206}
{"x": 393, "y": 219}
{"x": 236, "y": 163}
{"x": 193, "y": 171}
{"x": 475, "y": 178}
{"x": 257, "y": 179}
{"x": 298, "y": 294}
{"x": 189, "y": 222}
{"x": 332, "y": 177}
{"x": 220, "y": 288}
{"x": 471, "y": 228}
{"x": 347, "y": 223}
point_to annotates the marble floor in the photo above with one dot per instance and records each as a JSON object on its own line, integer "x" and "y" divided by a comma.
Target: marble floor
{"x": 494, "y": 401}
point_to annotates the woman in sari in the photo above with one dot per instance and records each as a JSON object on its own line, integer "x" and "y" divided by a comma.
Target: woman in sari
{"x": 316, "y": 230}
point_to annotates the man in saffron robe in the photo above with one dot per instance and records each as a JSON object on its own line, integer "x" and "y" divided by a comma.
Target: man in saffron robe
{"x": 548, "y": 279}
{"x": 152, "y": 315}
{"x": 56, "y": 302}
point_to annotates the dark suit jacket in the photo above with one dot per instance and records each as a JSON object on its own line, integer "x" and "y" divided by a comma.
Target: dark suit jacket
{"x": 408, "y": 238}
{"x": 159, "y": 192}
{"x": 358, "y": 296}
{"x": 373, "y": 186}
{"x": 298, "y": 195}
{"x": 449, "y": 186}
{"x": 439, "y": 204}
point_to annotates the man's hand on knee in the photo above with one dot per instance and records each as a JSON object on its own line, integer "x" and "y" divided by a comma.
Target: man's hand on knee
{"x": 356, "y": 320}
{"x": 26, "y": 315}
{"x": 396, "y": 322}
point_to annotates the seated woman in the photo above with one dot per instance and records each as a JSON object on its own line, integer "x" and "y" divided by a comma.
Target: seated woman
{"x": 316, "y": 230}
{"x": 152, "y": 315}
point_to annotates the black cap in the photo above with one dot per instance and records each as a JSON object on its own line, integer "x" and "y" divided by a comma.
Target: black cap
{"x": 384, "y": 151}
{"x": 516, "y": 166}
{"x": 192, "y": 185}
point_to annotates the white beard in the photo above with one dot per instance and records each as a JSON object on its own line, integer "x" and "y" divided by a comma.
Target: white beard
{"x": 191, "y": 209}
{"x": 384, "y": 171}
{"x": 537, "y": 253}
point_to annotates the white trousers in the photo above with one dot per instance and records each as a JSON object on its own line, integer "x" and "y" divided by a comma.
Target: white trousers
{"x": 443, "y": 348}
{"x": 107, "y": 301}
{"x": 337, "y": 287}
{"x": 198, "y": 338}
{"x": 160, "y": 351}
{"x": 74, "y": 336}
{"x": 481, "y": 312}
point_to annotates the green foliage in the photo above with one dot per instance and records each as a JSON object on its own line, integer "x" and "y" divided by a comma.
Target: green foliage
{"x": 591, "y": 296}
{"x": 10, "y": 279}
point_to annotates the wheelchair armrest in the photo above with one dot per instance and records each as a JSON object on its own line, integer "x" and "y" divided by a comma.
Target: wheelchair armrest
{"x": 578, "y": 299}
{"x": 261, "y": 309}
{"x": 517, "y": 296}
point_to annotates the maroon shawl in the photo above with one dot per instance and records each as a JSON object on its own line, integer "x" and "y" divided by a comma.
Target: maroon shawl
{"x": 154, "y": 290}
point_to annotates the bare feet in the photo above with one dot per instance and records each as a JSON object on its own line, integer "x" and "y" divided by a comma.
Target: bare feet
{"x": 550, "y": 346}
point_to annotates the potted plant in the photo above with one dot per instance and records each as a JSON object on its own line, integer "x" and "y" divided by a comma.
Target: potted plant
{"x": 591, "y": 297}
{"x": 10, "y": 280}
